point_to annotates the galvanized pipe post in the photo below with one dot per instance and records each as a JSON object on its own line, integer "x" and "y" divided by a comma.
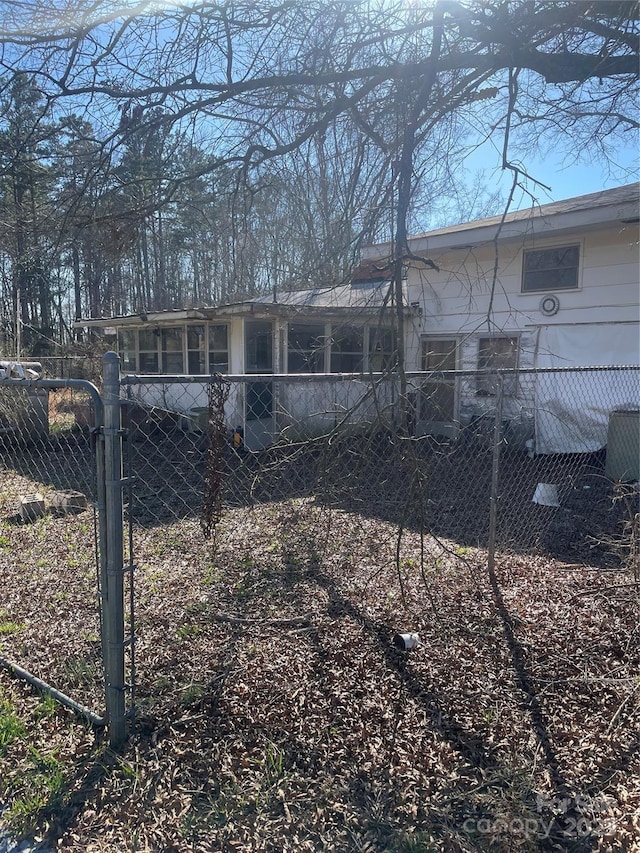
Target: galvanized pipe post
{"x": 113, "y": 581}
{"x": 495, "y": 475}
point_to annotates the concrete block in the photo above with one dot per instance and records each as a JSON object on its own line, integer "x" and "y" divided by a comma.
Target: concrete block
{"x": 31, "y": 507}
{"x": 69, "y": 502}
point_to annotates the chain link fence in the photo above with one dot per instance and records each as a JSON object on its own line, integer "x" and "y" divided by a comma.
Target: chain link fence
{"x": 534, "y": 462}
{"x": 421, "y": 454}
{"x": 49, "y": 537}
{"x": 65, "y": 569}
{"x": 85, "y": 366}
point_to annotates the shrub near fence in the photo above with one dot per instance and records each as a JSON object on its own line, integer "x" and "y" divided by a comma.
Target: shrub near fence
{"x": 560, "y": 441}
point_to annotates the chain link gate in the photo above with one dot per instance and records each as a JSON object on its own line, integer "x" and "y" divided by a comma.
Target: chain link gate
{"x": 61, "y": 443}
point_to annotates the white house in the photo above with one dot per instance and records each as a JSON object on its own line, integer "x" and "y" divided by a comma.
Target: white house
{"x": 552, "y": 285}
{"x": 548, "y": 281}
{"x": 555, "y": 285}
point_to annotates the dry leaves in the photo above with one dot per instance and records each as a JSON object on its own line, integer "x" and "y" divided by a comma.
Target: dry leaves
{"x": 275, "y": 713}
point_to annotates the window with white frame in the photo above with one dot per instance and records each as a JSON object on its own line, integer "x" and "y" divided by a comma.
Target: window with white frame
{"x": 172, "y": 353}
{"x": 148, "y": 350}
{"x": 127, "y": 349}
{"x": 382, "y": 349}
{"x": 497, "y": 353}
{"x": 347, "y": 349}
{"x": 351, "y": 349}
{"x": 168, "y": 349}
{"x": 218, "y": 348}
{"x": 196, "y": 348}
{"x": 306, "y": 348}
{"x": 553, "y": 268}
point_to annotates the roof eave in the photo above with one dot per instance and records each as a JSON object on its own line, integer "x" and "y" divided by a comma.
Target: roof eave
{"x": 143, "y": 318}
{"x": 526, "y": 228}
{"x": 546, "y": 220}
{"x": 256, "y": 310}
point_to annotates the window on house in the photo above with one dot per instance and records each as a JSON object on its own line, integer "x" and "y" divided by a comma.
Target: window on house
{"x": 555, "y": 268}
{"x": 305, "y": 351}
{"x": 382, "y": 349}
{"x": 172, "y": 356}
{"x": 258, "y": 346}
{"x": 497, "y": 354}
{"x": 218, "y": 348}
{"x": 127, "y": 349}
{"x": 347, "y": 350}
{"x": 148, "y": 349}
{"x": 437, "y": 397}
{"x": 196, "y": 349}
{"x": 439, "y": 353}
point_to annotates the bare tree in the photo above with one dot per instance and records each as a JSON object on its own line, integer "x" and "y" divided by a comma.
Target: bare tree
{"x": 259, "y": 83}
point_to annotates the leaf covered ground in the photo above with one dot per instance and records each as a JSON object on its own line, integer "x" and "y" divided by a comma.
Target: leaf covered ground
{"x": 275, "y": 712}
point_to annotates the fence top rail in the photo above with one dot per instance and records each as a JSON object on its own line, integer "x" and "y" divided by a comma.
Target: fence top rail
{"x": 58, "y": 385}
{"x": 202, "y": 379}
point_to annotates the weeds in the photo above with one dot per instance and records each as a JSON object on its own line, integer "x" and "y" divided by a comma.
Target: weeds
{"x": 628, "y": 546}
{"x": 79, "y": 670}
{"x": 192, "y": 694}
{"x": 47, "y": 707}
{"x": 11, "y": 726}
{"x": 8, "y": 627}
{"x": 186, "y": 632}
{"x": 40, "y": 791}
{"x": 272, "y": 764}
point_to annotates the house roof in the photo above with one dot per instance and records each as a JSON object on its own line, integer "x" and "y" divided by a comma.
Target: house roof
{"x": 620, "y": 204}
{"x": 361, "y": 299}
{"x": 360, "y": 296}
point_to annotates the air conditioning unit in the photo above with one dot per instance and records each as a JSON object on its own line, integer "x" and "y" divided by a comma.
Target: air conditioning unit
{"x": 623, "y": 446}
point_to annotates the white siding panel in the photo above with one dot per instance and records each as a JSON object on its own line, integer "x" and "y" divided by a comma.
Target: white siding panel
{"x": 458, "y": 298}
{"x": 615, "y": 274}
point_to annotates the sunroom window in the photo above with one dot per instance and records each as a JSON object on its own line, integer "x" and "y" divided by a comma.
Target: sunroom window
{"x": 306, "y": 347}
{"x": 347, "y": 349}
{"x": 382, "y": 349}
{"x": 127, "y": 349}
{"x": 555, "y": 268}
{"x": 196, "y": 349}
{"x": 172, "y": 357}
{"x": 148, "y": 349}
{"x": 218, "y": 349}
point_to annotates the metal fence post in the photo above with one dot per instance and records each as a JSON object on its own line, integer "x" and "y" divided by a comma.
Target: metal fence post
{"x": 113, "y": 582}
{"x": 495, "y": 473}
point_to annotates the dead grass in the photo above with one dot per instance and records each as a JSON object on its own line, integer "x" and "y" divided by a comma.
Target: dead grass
{"x": 276, "y": 714}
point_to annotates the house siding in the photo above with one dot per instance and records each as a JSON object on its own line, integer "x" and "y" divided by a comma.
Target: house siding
{"x": 457, "y": 299}
{"x": 456, "y": 302}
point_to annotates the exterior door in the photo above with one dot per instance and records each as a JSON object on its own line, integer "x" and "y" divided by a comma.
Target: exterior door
{"x": 438, "y": 395}
{"x": 258, "y": 358}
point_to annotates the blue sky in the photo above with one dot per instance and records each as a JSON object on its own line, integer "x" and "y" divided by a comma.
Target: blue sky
{"x": 566, "y": 178}
{"x": 579, "y": 179}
